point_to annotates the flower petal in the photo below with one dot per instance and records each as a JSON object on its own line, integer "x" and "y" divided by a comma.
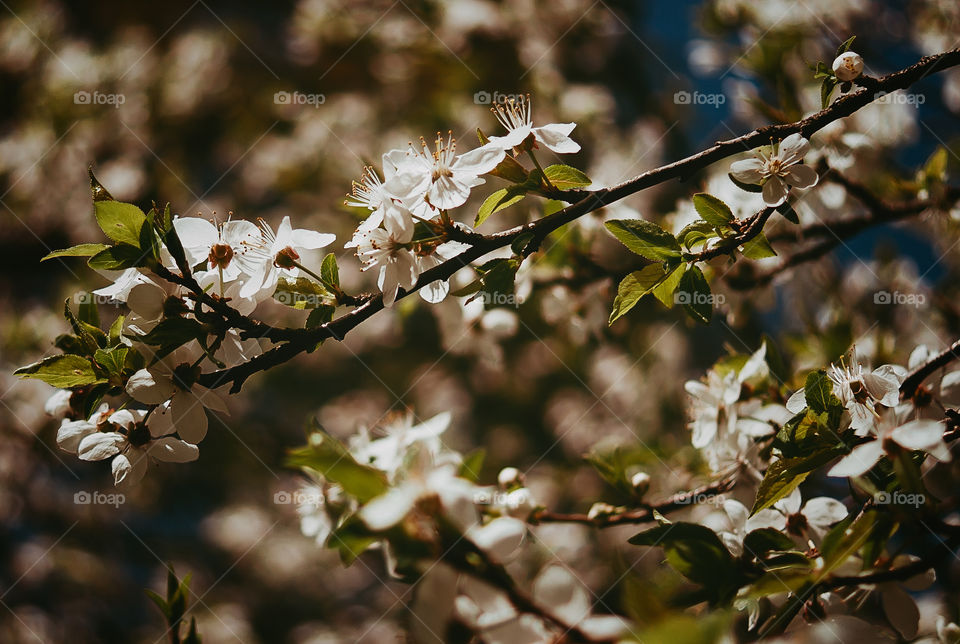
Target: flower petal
{"x": 479, "y": 161}
{"x": 919, "y": 434}
{"x": 823, "y": 511}
{"x": 149, "y": 387}
{"x": 747, "y": 170}
{"x": 172, "y": 450}
{"x": 556, "y": 137}
{"x": 99, "y": 446}
{"x": 189, "y": 417}
{"x": 793, "y": 148}
{"x": 311, "y": 239}
{"x": 774, "y": 191}
{"x": 802, "y": 176}
{"x": 861, "y": 459}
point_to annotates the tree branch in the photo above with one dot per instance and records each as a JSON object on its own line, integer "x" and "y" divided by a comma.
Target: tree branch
{"x": 300, "y": 340}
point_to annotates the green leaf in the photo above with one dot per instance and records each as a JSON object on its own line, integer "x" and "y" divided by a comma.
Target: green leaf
{"x": 564, "y": 177}
{"x": 497, "y": 283}
{"x": 694, "y": 294}
{"x": 97, "y": 190}
{"x": 764, "y": 540}
{"x": 520, "y": 243}
{"x": 497, "y": 201}
{"x": 302, "y": 293}
{"x": 633, "y": 287}
{"x": 329, "y": 271}
{"x": 845, "y": 539}
{"x": 193, "y": 637}
{"x": 173, "y": 332}
{"x": 63, "y": 372}
{"x": 320, "y": 315}
{"x": 783, "y": 476}
{"x": 749, "y": 187}
{"x": 818, "y": 392}
{"x": 664, "y": 291}
{"x": 845, "y": 46}
{"x": 116, "y": 258}
{"x": 112, "y": 360}
{"x": 935, "y": 169}
{"x": 116, "y": 330}
{"x": 645, "y": 238}
{"x": 712, "y": 209}
{"x": 80, "y": 250}
{"x": 120, "y": 221}
{"x": 826, "y": 89}
{"x": 697, "y": 233}
{"x": 693, "y": 550}
{"x": 328, "y": 456}
{"x": 758, "y": 248}
{"x": 87, "y": 310}
{"x": 472, "y": 464}
{"x": 350, "y": 539}
{"x": 788, "y": 213}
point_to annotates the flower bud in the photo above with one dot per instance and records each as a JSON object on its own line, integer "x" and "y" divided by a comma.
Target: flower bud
{"x": 510, "y": 477}
{"x": 640, "y": 482}
{"x": 598, "y": 510}
{"x": 848, "y": 66}
{"x": 519, "y": 503}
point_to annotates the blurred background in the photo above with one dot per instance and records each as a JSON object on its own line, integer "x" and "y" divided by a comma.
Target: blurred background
{"x": 271, "y": 109}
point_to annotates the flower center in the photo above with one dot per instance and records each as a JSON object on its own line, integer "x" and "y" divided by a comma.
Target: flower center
{"x": 796, "y": 523}
{"x": 220, "y": 255}
{"x": 138, "y": 435}
{"x": 184, "y": 375}
{"x": 286, "y": 258}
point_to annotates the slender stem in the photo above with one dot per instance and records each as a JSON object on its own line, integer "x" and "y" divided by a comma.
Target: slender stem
{"x": 533, "y": 157}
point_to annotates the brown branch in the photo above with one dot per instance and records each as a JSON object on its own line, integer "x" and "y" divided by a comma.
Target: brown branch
{"x": 913, "y": 381}
{"x": 644, "y": 514}
{"x": 300, "y": 340}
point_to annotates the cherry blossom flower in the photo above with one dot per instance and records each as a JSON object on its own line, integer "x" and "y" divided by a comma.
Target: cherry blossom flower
{"x": 924, "y": 434}
{"x": 778, "y": 172}
{"x": 171, "y": 384}
{"x": 848, "y": 66}
{"x": 274, "y": 254}
{"x": 216, "y": 246}
{"x": 814, "y": 517}
{"x": 390, "y": 249}
{"x": 440, "y": 179}
{"x": 516, "y": 116}
{"x": 132, "y": 445}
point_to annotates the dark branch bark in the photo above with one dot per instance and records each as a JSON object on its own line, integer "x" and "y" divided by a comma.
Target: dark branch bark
{"x": 300, "y": 340}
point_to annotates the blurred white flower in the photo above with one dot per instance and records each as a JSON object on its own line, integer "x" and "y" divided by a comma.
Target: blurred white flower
{"x": 926, "y": 435}
{"x": 273, "y": 254}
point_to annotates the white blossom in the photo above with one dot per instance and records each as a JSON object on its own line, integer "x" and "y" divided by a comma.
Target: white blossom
{"x": 274, "y": 254}
{"x": 778, "y": 172}
{"x": 516, "y": 116}
{"x": 848, "y": 66}
{"x": 132, "y": 445}
{"x": 924, "y": 434}
{"x": 389, "y": 248}
{"x": 439, "y": 179}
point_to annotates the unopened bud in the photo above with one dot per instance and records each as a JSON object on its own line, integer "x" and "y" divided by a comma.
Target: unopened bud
{"x": 510, "y": 477}
{"x": 848, "y": 66}
{"x": 640, "y": 482}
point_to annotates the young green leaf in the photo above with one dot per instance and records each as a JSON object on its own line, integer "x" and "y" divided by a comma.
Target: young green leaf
{"x": 564, "y": 177}
{"x": 633, "y": 287}
{"x": 693, "y": 292}
{"x": 645, "y": 238}
{"x": 664, "y": 291}
{"x": 758, "y": 248}
{"x": 114, "y": 258}
{"x": 80, "y": 250}
{"x": 120, "y": 221}
{"x": 712, "y": 209}
{"x": 63, "y": 372}
{"x": 498, "y": 201}
{"x": 328, "y": 456}
{"x": 329, "y": 271}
